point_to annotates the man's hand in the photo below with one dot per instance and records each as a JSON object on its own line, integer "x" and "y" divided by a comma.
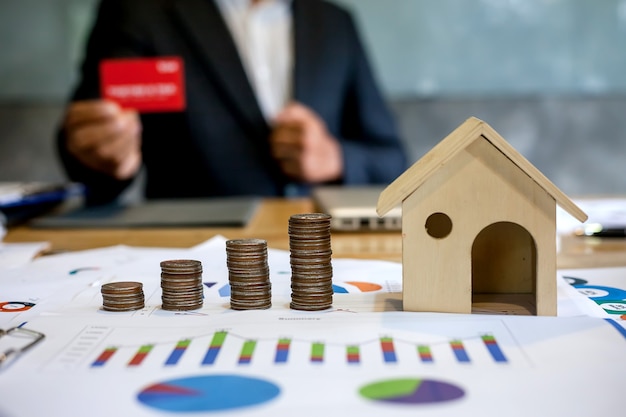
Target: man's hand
{"x": 303, "y": 147}
{"x": 104, "y": 137}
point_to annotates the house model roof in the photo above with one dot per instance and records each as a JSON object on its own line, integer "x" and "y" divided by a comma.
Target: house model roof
{"x": 471, "y": 130}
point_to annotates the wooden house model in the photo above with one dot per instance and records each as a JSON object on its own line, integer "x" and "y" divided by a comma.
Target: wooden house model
{"x": 478, "y": 227}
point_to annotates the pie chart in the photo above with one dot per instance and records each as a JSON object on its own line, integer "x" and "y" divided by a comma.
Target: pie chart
{"x": 411, "y": 391}
{"x": 362, "y": 287}
{"x": 15, "y": 306}
{"x": 207, "y": 393}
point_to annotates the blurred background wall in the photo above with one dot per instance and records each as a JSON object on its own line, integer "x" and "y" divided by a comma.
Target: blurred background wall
{"x": 548, "y": 75}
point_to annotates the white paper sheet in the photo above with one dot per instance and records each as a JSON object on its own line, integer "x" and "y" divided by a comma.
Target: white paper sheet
{"x": 14, "y": 255}
{"x": 131, "y": 366}
{"x": 362, "y": 357}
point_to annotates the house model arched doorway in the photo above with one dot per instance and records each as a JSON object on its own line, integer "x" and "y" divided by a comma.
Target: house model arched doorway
{"x": 504, "y": 270}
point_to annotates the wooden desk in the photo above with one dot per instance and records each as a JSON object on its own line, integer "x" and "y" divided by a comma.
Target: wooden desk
{"x": 270, "y": 223}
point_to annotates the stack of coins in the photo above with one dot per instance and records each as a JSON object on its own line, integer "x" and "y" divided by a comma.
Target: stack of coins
{"x": 181, "y": 284}
{"x": 122, "y": 296}
{"x": 311, "y": 268}
{"x": 248, "y": 274}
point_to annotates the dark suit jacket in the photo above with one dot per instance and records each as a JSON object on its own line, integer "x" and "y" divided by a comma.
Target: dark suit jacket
{"x": 218, "y": 146}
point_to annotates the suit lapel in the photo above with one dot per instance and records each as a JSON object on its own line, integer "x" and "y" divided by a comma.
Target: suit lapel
{"x": 307, "y": 58}
{"x": 203, "y": 23}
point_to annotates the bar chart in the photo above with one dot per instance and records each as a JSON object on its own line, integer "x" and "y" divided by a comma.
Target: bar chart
{"x": 98, "y": 347}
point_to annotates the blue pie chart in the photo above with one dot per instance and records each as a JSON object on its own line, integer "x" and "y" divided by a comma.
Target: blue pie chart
{"x": 207, "y": 393}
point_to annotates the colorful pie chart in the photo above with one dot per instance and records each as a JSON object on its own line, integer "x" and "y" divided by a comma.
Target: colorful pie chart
{"x": 411, "y": 391}
{"x": 361, "y": 286}
{"x": 207, "y": 393}
{"x": 15, "y": 306}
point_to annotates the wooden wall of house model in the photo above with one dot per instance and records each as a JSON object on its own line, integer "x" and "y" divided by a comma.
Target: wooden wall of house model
{"x": 478, "y": 227}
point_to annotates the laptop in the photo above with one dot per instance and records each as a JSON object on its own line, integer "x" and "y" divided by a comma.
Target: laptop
{"x": 353, "y": 208}
{"x": 210, "y": 212}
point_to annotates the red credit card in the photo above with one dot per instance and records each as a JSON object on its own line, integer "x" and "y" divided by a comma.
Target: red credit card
{"x": 144, "y": 84}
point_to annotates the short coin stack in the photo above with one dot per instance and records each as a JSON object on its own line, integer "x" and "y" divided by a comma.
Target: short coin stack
{"x": 181, "y": 284}
{"x": 311, "y": 268}
{"x": 122, "y": 296}
{"x": 248, "y": 274}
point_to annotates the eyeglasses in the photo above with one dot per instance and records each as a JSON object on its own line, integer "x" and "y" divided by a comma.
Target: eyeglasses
{"x": 22, "y": 339}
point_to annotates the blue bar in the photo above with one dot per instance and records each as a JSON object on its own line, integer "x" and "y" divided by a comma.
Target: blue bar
{"x": 496, "y": 353}
{"x": 459, "y": 351}
{"x": 282, "y": 350}
{"x": 175, "y": 356}
{"x": 389, "y": 352}
{"x": 461, "y": 355}
{"x": 281, "y": 355}
{"x": 210, "y": 356}
{"x": 390, "y": 357}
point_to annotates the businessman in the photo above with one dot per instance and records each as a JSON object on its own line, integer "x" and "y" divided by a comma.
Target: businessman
{"x": 279, "y": 97}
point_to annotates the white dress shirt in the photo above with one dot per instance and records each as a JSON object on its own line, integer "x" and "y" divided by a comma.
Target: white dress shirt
{"x": 262, "y": 31}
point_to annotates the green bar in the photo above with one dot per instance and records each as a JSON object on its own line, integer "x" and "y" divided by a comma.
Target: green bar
{"x": 456, "y": 344}
{"x": 183, "y": 343}
{"x": 248, "y": 348}
{"x": 488, "y": 338}
{"x": 317, "y": 350}
{"x": 353, "y": 350}
{"x": 422, "y": 349}
{"x": 284, "y": 341}
{"x": 145, "y": 348}
{"x": 218, "y": 338}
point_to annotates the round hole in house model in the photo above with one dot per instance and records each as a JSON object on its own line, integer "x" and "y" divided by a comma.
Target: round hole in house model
{"x": 438, "y": 225}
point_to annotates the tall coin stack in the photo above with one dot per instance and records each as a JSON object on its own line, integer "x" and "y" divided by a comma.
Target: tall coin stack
{"x": 181, "y": 284}
{"x": 122, "y": 296}
{"x": 248, "y": 274}
{"x": 311, "y": 268}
